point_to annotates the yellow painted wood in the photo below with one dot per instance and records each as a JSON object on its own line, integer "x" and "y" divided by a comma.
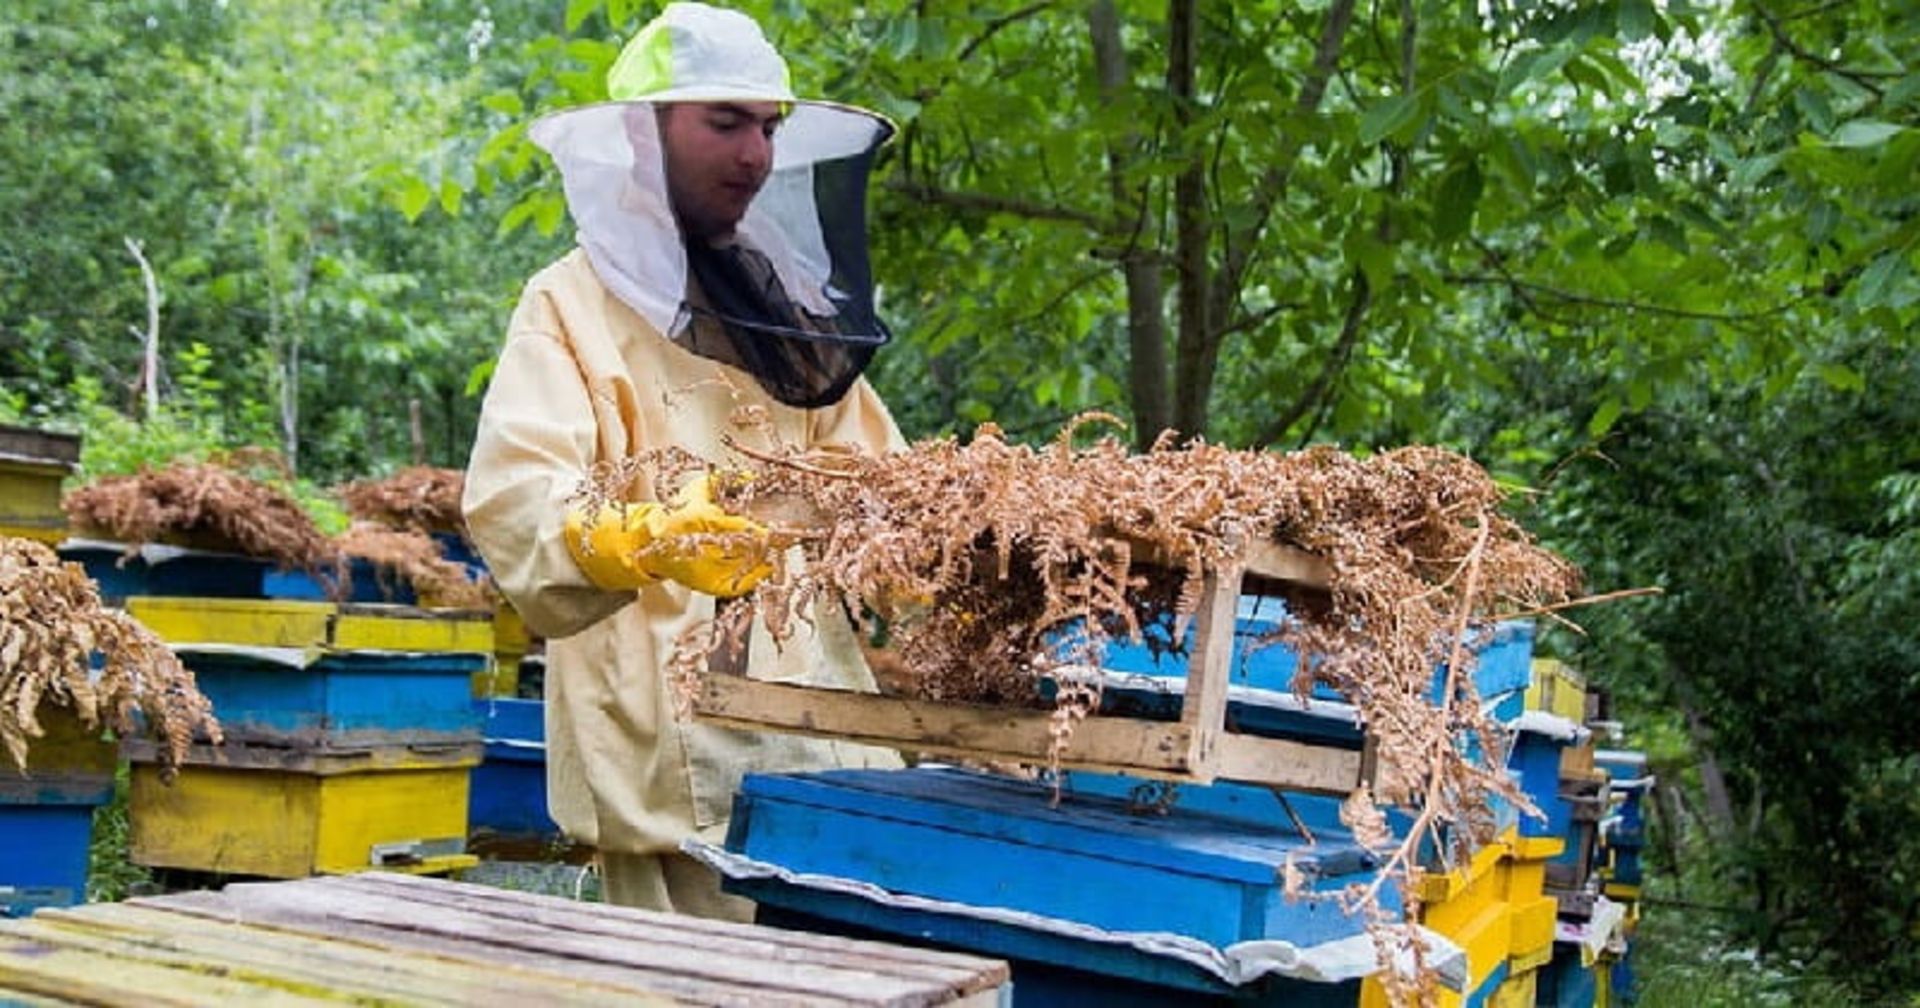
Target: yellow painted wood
{"x": 67, "y": 747}
{"x": 286, "y": 824}
{"x": 1558, "y": 689}
{"x": 306, "y": 624}
{"x": 1517, "y": 991}
{"x": 398, "y": 628}
{"x": 1532, "y": 941}
{"x": 501, "y": 678}
{"x": 36, "y": 965}
{"x": 1538, "y": 848}
{"x": 305, "y": 962}
{"x": 245, "y": 622}
{"x": 52, "y": 533}
{"x": 30, "y": 491}
{"x": 510, "y": 631}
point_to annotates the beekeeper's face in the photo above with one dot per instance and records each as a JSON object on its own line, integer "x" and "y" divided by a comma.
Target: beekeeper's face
{"x": 718, "y": 155}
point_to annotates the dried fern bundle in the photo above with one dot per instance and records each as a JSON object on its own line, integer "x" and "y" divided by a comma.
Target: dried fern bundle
{"x": 205, "y": 505}
{"x": 419, "y": 497}
{"x": 51, "y": 625}
{"x": 416, "y": 557}
{"x": 980, "y": 556}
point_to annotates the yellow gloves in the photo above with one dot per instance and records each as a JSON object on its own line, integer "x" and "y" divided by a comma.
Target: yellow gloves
{"x": 628, "y": 551}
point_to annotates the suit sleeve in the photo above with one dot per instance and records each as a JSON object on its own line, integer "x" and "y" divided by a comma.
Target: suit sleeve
{"x": 536, "y": 440}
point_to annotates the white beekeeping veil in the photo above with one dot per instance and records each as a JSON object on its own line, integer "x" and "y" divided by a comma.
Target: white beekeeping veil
{"x": 788, "y": 296}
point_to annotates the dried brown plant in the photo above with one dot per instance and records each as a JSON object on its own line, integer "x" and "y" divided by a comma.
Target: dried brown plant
{"x": 977, "y": 556}
{"x": 205, "y": 505}
{"x": 52, "y": 624}
{"x": 419, "y": 497}
{"x": 414, "y": 556}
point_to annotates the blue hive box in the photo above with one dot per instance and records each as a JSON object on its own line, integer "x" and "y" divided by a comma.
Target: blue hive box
{"x": 1502, "y": 667}
{"x": 290, "y": 672}
{"x": 173, "y": 571}
{"x": 46, "y": 814}
{"x": 994, "y": 865}
{"x": 509, "y": 792}
{"x": 341, "y": 698}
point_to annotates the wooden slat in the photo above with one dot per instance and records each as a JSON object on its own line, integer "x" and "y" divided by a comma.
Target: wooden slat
{"x": 999, "y": 733}
{"x": 304, "y": 963}
{"x": 79, "y": 975}
{"x": 1269, "y": 559}
{"x": 1203, "y": 709}
{"x": 619, "y": 947}
{"x": 952, "y": 967}
{"x": 1294, "y": 766}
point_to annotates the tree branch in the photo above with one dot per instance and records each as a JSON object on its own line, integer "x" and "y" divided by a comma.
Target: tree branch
{"x": 1330, "y": 367}
{"x": 150, "y": 341}
{"x": 1525, "y": 289}
{"x": 1863, "y": 78}
{"x": 988, "y": 203}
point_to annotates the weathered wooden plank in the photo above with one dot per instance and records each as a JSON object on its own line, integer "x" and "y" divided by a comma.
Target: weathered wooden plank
{"x": 1203, "y": 709}
{"x": 39, "y": 445}
{"x": 969, "y": 972}
{"x": 1002, "y": 733}
{"x": 663, "y": 959}
{"x": 300, "y": 961}
{"x": 78, "y": 975}
{"x": 1294, "y": 766}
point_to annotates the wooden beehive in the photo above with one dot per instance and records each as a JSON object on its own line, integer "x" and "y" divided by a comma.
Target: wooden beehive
{"x": 32, "y": 464}
{"x": 1198, "y": 748}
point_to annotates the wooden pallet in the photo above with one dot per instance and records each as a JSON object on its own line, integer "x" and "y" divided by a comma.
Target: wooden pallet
{"x": 1198, "y": 748}
{"x": 397, "y": 940}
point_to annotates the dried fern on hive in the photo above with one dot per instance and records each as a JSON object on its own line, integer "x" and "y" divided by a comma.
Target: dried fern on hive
{"x": 204, "y": 505}
{"x": 51, "y": 625}
{"x": 978, "y": 555}
{"x": 415, "y": 557}
{"x": 419, "y": 497}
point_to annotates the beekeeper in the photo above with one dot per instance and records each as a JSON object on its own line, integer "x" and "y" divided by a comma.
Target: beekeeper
{"x": 721, "y": 265}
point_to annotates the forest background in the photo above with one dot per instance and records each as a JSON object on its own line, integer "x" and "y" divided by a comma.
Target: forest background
{"x": 1652, "y": 262}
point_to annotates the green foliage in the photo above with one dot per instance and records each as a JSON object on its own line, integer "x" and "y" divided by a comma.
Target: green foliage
{"x": 111, "y": 874}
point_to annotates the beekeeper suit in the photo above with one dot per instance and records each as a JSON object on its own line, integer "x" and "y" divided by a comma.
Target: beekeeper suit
{"x": 721, "y": 277}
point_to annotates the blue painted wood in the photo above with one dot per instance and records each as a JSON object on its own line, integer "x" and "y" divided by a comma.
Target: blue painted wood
{"x": 1049, "y": 971}
{"x": 1536, "y": 759}
{"x": 929, "y": 832}
{"x": 1483, "y": 993}
{"x": 1563, "y": 982}
{"x": 43, "y": 856}
{"x": 509, "y": 788}
{"x": 366, "y": 583}
{"x": 1503, "y": 653}
{"x": 346, "y": 698}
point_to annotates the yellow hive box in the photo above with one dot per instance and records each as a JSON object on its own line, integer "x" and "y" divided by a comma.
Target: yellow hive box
{"x": 1518, "y": 990}
{"x": 293, "y": 813}
{"x": 501, "y": 678}
{"x": 1558, "y": 689}
{"x": 32, "y": 465}
{"x": 285, "y": 623}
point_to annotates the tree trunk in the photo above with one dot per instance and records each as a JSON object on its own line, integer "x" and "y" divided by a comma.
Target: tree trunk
{"x": 1198, "y": 344}
{"x": 1146, "y": 295}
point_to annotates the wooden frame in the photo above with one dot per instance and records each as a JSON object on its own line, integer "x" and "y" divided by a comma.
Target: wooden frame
{"x": 1197, "y": 748}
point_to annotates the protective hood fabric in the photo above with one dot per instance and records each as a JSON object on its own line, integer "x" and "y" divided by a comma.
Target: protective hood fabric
{"x": 789, "y": 297}
{"x": 584, "y": 379}
{"x": 694, "y": 52}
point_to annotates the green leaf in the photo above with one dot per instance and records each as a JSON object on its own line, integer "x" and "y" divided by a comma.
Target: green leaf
{"x": 504, "y": 102}
{"x": 1456, "y": 200}
{"x": 1864, "y": 133}
{"x": 620, "y": 12}
{"x": 1388, "y": 116}
{"x": 1636, "y": 19}
{"x": 412, "y": 196}
{"x": 1604, "y": 417}
{"x": 578, "y": 11}
{"x": 1840, "y": 377}
{"x": 450, "y": 196}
